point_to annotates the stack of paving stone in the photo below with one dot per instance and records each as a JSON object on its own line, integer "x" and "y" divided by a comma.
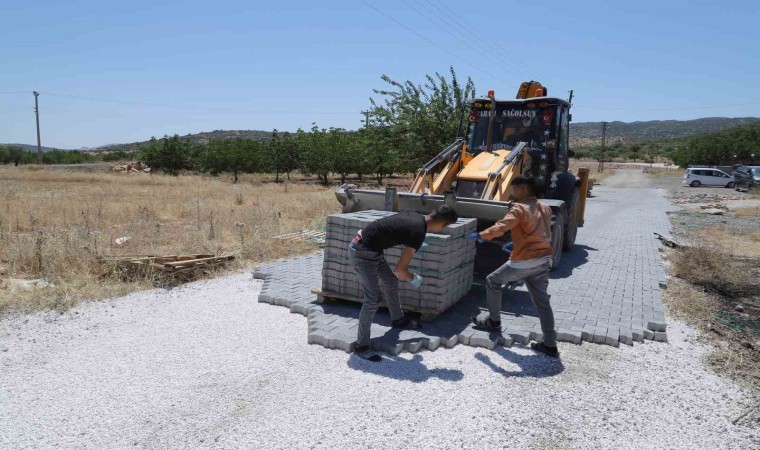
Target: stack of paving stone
{"x": 445, "y": 263}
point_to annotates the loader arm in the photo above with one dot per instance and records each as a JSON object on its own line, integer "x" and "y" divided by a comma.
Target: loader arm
{"x": 438, "y": 174}
{"x": 497, "y": 186}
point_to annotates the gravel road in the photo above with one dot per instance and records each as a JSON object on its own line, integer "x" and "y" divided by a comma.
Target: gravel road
{"x": 206, "y": 366}
{"x": 197, "y": 367}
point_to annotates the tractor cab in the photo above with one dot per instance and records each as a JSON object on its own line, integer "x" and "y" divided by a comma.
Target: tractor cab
{"x": 542, "y": 123}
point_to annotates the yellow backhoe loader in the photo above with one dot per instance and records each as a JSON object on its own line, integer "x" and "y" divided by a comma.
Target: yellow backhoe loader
{"x": 505, "y": 138}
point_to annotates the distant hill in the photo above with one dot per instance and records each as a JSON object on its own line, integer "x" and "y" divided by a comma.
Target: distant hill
{"x": 582, "y": 133}
{"x": 589, "y": 133}
{"x": 33, "y": 148}
{"x": 198, "y": 138}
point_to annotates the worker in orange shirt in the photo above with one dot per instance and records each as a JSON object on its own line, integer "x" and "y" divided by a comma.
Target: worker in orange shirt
{"x": 531, "y": 260}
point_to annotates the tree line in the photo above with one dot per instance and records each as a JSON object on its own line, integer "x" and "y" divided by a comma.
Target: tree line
{"x": 406, "y": 126}
{"x": 321, "y": 152}
{"x": 731, "y": 146}
{"x": 16, "y": 155}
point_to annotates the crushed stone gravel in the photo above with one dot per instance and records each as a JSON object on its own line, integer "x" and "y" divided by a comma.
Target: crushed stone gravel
{"x": 201, "y": 366}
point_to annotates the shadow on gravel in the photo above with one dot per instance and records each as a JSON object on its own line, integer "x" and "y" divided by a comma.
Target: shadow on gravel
{"x": 576, "y": 257}
{"x": 403, "y": 369}
{"x": 533, "y": 366}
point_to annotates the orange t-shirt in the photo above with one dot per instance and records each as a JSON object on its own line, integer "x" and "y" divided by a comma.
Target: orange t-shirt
{"x": 531, "y": 225}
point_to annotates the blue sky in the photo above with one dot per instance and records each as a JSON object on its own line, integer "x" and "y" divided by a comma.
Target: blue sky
{"x": 112, "y": 72}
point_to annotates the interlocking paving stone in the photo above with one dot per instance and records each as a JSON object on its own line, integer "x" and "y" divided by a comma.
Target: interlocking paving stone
{"x": 445, "y": 262}
{"x": 606, "y": 290}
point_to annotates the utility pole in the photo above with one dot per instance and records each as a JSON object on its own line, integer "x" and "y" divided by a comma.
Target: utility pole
{"x": 603, "y": 152}
{"x": 37, "y": 114}
{"x": 366, "y": 119}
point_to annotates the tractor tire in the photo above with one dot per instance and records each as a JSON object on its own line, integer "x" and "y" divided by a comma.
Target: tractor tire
{"x": 558, "y": 234}
{"x": 571, "y": 228}
{"x": 695, "y": 183}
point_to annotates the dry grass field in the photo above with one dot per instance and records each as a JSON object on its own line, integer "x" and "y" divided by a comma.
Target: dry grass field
{"x": 57, "y": 225}
{"x": 715, "y": 288}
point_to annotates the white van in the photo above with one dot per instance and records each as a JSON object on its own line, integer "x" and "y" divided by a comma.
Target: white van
{"x": 698, "y": 176}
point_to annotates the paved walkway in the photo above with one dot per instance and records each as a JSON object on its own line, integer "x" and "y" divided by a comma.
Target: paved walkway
{"x": 606, "y": 290}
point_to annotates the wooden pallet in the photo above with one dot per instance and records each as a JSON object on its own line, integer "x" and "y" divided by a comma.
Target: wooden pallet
{"x": 316, "y": 236}
{"x": 174, "y": 264}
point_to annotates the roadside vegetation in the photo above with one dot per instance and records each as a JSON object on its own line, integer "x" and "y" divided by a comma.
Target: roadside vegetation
{"x": 715, "y": 288}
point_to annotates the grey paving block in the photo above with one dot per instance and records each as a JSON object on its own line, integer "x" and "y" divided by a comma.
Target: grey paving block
{"x": 450, "y": 342}
{"x": 390, "y": 346}
{"x": 319, "y": 337}
{"x": 433, "y": 343}
{"x": 484, "y": 340}
{"x": 661, "y": 336}
{"x": 609, "y": 296}
{"x": 342, "y": 342}
{"x": 569, "y": 336}
{"x": 626, "y": 337}
{"x": 519, "y": 336}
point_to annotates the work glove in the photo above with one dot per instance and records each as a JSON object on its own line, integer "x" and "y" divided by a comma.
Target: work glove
{"x": 416, "y": 281}
{"x": 507, "y": 248}
{"x": 474, "y": 236}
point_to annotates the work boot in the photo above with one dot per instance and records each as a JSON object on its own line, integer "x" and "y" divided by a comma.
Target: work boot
{"x": 363, "y": 352}
{"x": 406, "y": 323}
{"x": 540, "y": 347}
{"x": 486, "y": 324}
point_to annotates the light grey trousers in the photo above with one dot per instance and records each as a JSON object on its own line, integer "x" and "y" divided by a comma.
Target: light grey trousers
{"x": 378, "y": 282}
{"x": 537, "y": 282}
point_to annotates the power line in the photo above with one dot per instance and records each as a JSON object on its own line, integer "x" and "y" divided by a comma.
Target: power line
{"x": 668, "y": 109}
{"x": 454, "y": 23}
{"x": 192, "y": 107}
{"x": 498, "y": 48}
{"x": 464, "y": 41}
{"x": 431, "y": 42}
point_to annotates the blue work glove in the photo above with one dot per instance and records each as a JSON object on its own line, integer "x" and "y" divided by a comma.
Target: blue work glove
{"x": 507, "y": 248}
{"x": 416, "y": 281}
{"x": 474, "y": 236}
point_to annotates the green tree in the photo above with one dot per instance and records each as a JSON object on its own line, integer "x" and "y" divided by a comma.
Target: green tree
{"x": 169, "y": 154}
{"x": 116, "y": 156}
{"x": 317, "y": 152}
{"x": 382, "y": 154}
{"x": 16, "y": 155}
{"x": 731, "y": 146}
{"x": 346, "y": 152}
{"x": 5, "y": 155}
{"x": 233, "y": 155}
{"x": 283, "y": 154}
{"x": 633, "y": 152}
{"x": 423, "y": 119}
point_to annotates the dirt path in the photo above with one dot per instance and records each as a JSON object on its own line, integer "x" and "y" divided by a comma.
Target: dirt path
{"x": 628, "y": 178}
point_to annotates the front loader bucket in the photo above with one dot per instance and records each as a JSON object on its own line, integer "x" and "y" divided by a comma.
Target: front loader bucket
{"x": 486, "y": 211}
{"x": 489, "y": 255}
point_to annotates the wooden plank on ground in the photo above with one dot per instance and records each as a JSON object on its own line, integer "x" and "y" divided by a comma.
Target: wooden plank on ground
{"x": 198, "y": 261}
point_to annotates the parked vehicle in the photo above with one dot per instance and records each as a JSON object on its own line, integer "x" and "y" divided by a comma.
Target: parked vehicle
{"x": 746, "y": 177}
{"x": 699, "y": 176}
